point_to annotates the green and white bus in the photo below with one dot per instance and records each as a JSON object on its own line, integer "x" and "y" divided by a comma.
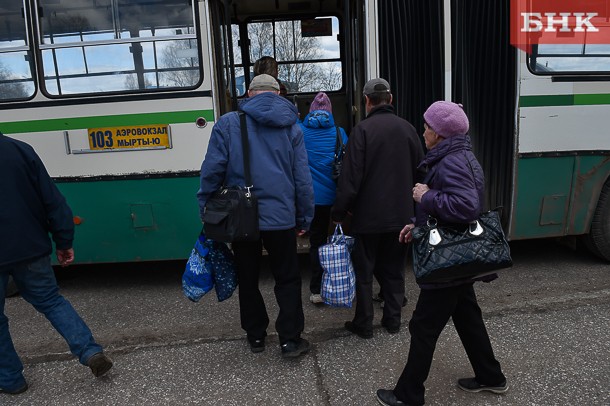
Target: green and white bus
{"x": 118, "y": 97}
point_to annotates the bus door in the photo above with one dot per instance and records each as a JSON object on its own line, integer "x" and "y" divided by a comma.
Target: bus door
{"x": 319, "y": 46}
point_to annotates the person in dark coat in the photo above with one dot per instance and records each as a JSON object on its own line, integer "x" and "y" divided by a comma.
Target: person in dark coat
{"x": 320, "y": 134}
{"x": 379, "y": 171}
{"x": 452, "y": 192}
{"x": 282, "y": 184}
{"x": 31, "y": 207}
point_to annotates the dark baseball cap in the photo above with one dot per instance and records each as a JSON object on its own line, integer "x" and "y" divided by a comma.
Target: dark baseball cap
{"x": 376, "y": 86}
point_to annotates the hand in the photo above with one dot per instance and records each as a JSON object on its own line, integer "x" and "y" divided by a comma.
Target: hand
{"x": 419, "y": 190}
{"x": 405, "y": 235}
{"x": 65, "y": 257}
{"x": 301, "y": 233}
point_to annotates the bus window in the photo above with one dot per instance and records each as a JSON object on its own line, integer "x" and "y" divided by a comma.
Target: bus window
{"x": 129, "y": 46}
{"x": 16, "y": 80}
{"x": 570, "y": 59}
{"x": 309, "y": 59}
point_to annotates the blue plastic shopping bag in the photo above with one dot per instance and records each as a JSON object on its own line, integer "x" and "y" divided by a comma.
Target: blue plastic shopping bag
{"x": 210, "y": 265}
{"x": 338, "y": 279}
{"x": 197, "y": 278}
{"x": 223, "y": 270}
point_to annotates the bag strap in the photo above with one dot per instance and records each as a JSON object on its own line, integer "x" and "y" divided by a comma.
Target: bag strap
{"x": 338, "y": 145}
{"x": 246, "y": 149}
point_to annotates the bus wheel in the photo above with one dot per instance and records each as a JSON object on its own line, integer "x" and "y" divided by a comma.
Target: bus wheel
{"x": 598, "y": 239}
{"x": 11, "y": 288}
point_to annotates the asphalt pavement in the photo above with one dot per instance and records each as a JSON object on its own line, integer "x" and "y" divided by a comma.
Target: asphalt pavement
{"x": 548, "y": 318}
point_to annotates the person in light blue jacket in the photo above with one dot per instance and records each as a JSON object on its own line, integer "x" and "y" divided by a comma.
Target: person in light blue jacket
{"x": 320, "y": 134}
{"x": 282, "y": 183}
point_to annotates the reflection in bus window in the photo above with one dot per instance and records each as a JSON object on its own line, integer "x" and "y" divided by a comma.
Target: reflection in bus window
{"x": 570, "y": 59}
{"x": 93, "y": 46}
{"x": 16, "y": 80}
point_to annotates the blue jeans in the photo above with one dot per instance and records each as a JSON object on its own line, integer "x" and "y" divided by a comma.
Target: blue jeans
{"x": 37, "y": 285}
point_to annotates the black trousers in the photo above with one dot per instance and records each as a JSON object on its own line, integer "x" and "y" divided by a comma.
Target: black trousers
{"x": 383, "y": 256}
{"x": 432, "y": 312}
{"x": 318, "y": 236}
{"x": 282, "y": 251}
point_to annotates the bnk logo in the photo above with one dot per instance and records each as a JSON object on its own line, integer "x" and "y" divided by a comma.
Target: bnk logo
{"x": 559, "y": 22}
{"x": 535, "y": 22}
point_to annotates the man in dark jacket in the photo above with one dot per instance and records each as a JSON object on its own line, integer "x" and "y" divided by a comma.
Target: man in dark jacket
{"x": 32, "y": 207}
{"x": 282, "y": 184}
{"x": 379, "y": 171}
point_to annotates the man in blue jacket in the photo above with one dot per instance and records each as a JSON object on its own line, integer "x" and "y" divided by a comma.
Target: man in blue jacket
{"x": 32, "y": 207}
{"x": 282, "y": 183}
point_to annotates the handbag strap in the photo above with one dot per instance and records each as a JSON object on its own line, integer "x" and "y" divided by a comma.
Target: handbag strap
{"x": 246, "y": 149}
{"x": 338, "y": 145}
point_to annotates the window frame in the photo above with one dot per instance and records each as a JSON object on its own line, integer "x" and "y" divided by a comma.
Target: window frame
{"x": 41, "y": 47}
{"x": 285, "y": 18}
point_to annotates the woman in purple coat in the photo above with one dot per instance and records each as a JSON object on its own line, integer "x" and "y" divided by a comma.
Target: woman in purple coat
{"x": 452, "y": 192}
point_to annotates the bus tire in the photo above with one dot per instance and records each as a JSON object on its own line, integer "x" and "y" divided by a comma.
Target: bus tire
{"x": 598, "y": 239}
{"x": 11, "y": 288}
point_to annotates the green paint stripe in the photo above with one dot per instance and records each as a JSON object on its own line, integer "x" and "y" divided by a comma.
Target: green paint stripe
{"x": 586, "y": 99}
{"x": 541, "y": 101}
{"x": 564, "y": 100}
{"x": 73, "y": 123}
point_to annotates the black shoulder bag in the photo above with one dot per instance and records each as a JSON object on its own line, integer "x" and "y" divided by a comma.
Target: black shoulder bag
{"x": 338, "y": 161}
{"x": 231, "y": 213}
{"x": 449, "y": 252}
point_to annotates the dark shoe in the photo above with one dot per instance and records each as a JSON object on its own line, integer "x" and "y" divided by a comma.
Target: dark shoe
{"x": 387, "y": 398}
{"x": 15, "y": 391}
{"x": 99, "y": 364}
{"x": 352, "y": 328}
{"x": 257, "y": 345}
{"x": 471, "y": 385}
{"x": 391, "y": 328}
{"x": 379, "y": 299}
{"x": 293, "y": 349}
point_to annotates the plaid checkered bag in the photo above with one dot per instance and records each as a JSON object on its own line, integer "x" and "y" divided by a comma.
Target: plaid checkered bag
{"x": 338, "y": 280}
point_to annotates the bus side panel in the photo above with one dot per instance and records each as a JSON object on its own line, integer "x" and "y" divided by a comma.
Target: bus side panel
{"x": 592, "y": 174}
{"x": 134, "y": 220}
{"x": 542, "y": 197}
{"x": 556, "y": 196}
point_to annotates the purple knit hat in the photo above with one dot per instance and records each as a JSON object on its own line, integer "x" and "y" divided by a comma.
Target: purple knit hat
{"x": 321, "y": 102}
{"x": 447, "y": 119}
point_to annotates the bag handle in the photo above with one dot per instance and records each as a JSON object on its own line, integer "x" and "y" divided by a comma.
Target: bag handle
{"x": 338, "y": 145}
{"x": 246, "y": 150}
{"x": 339, "y": 233}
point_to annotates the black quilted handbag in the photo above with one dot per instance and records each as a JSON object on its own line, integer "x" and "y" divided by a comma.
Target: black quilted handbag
{"x": 445, "y": 253}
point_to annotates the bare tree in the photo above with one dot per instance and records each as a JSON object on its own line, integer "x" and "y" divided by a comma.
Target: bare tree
{"x": 289, "y": 45}
{"x": 9, "y": 87}
{"x": 131, "y": 82}
{"x": 183, "y": 60}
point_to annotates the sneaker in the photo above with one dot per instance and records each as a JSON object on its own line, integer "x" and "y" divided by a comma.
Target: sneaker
{"x": 352, "y": 328}
{"x": 471, "y": 385}
{"x": 99, "y": 364}
{"x": 391, "y": 328}
{"x": 257, "y": 346}
{"x": 315, "y": 298}
{"x": 15, "y": 391}
{"x": 387, "y": 398}
{"x": 293, "y": 349}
